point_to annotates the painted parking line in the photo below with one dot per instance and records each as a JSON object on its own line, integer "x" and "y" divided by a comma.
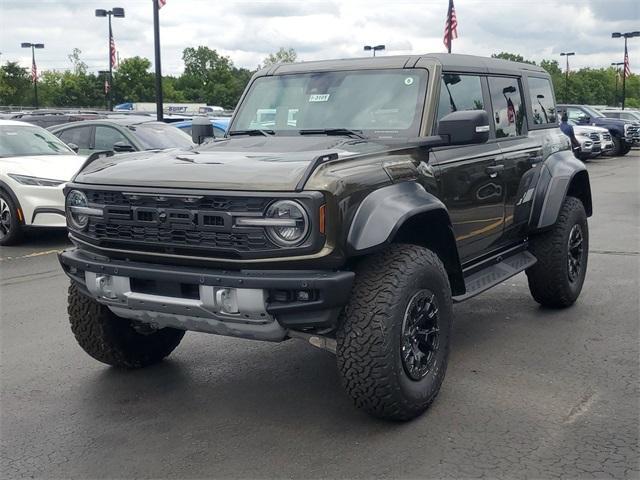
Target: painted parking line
{"x": 31, "y": 255}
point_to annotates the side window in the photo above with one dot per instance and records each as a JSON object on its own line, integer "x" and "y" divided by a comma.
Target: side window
{"x": 575, "y": 114}
{"x": 81, "y": 136}
{"x": 107, "y": 136}
{"x": 459, "y": 92}
{"x": 542, "y": 104}
{"x": 508, "y": 111}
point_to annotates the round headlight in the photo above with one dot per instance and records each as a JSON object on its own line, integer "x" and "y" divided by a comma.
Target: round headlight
{"x": 294, "y": 219}
{"x": 75, "y": 200}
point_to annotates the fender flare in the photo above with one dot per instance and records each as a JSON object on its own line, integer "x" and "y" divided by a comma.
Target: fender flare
{"x": 384, "y": 212}
{"x": 560, "y": 175}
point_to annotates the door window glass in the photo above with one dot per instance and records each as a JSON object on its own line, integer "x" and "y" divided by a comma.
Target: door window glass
{"x": 81, "y": 136}
{"x": 106, "y": 137}
{"x": 459, "y": 92}
{"x": 508, "y": 111}
{"x": 542, "y": 104}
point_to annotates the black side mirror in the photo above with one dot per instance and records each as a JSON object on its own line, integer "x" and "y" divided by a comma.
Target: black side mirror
{"x": 73, "y": 147}
{"x": 201, "y": 129}
{"x": 123, "y": 147}
{"x": 464, "y": 127}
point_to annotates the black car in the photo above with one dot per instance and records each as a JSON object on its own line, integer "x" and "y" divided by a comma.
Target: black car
{"x": 124, "y": 133}
{"x": 351, "y": 204}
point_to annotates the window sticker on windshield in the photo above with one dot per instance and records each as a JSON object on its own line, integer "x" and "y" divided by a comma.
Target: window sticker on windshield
{"x": 408, "y": 81}
{"x": 319, "y": 98}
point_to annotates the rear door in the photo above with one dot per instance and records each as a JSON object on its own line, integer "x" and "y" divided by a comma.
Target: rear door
{"x": 469, "y": 181}
{"x": 520, "y": 150}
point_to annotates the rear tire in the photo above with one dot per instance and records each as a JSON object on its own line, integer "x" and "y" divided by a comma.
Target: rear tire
{"x": 11, "y": 230}
{"x": 626, "y": 148}
{"x": 556, "y": 279}
{"x": 393, "y": 338}
{"x": 113, "y": 340}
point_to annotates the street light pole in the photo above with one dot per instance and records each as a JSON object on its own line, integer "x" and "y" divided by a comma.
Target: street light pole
{"x": 34, "y": 68}
{"x": 374, "y": 49}
{"x": 566, "y": 80}
{"x": 626, "y": 59}
{"x": 617, "y": 65}
{"x": 118, "y": 13}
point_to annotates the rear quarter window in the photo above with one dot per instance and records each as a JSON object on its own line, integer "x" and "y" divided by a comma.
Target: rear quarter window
{"x": 543, "y": 107}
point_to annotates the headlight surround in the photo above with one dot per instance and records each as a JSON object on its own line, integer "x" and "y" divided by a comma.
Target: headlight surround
{"x": 291, "y": 235}
{"x": 76, "y": 200}
{"x": 35, "y": 181}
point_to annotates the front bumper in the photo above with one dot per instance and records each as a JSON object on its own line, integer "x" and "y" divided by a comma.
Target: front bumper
{"x": 41, "y": 206}
{"x": 255, "y": 304}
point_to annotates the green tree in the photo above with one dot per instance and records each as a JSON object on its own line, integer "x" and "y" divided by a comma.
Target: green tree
{"x": 132, "y": 81}
{"x": 514, "y": 57}
{"x": 15, "y": 85}
{"x": 281, "y": 56}
{"x": 79, "y": 67}
{"x": 208, "y": 77}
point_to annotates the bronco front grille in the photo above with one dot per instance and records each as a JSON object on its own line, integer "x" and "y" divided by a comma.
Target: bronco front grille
{"x": 189, "y": 224}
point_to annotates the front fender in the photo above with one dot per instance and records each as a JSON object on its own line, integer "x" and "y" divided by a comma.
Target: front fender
{"x": 383, "y": 212}
{"x": 560, "y": 175}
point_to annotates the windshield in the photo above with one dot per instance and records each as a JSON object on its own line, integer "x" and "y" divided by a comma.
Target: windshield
{"x": 158, "y": 136}
{"x": 379, "y": 103}
{"x": 22, "y": 140}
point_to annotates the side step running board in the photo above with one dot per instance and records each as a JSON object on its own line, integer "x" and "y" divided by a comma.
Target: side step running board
{"x": 494, "y": 274}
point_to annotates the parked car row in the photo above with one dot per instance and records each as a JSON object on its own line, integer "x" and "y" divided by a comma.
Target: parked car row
{"x": 624, "y": 132}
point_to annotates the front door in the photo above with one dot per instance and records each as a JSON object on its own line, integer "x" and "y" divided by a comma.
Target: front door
{"x": 469, "y": 177}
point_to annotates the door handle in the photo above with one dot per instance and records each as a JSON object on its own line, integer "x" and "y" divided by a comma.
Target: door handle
{"x": 493, "y": 170}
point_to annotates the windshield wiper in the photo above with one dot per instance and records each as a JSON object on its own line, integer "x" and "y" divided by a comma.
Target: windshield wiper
{"x": 332, "y": 131}
{"x": 255, "y": 131}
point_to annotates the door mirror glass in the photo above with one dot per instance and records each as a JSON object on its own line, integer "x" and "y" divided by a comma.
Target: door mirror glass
{"x": 464, "y": 127}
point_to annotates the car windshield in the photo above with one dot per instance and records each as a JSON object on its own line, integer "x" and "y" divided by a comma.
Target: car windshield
{"x": 375, "y": 103}
{"x": 159, "y": 135}
{"x": 23, "y": 140}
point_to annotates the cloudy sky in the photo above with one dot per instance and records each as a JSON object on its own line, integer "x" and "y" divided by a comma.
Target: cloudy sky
{"x": 247, "y": 31}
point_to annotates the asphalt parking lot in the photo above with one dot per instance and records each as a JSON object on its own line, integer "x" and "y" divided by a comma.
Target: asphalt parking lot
{"x": 529, "y": 392}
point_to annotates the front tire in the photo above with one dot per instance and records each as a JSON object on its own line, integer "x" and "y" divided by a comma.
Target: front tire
{"x": 11, "y": 231}
{"x": 393, "y": 339}
{"x": 113, "y": 340}
{"x": 556, "y": 279}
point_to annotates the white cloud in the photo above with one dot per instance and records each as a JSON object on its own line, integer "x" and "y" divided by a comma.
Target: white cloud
{"x": 248, "y": 30}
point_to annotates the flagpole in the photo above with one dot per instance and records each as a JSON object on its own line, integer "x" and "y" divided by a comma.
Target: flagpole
{"x": 156, "y": 40}
{"x": 450, "y": 28}
{"x": 624, "y": 72}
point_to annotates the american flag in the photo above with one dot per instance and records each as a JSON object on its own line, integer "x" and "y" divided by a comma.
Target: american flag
{"x": 34, "y": 71}
{"x": 161, "y": 3}
{"x": 627, "y": 68}
{"x": 112, "y": 51}
{"x": 450, "y": 27}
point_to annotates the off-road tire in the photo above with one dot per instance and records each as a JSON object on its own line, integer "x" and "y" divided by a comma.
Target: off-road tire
{"x": 15, "y": 230}
{"x": 113, "y": 340}
{"x": 369, "y": 336}
{"x": 549, "y": 279}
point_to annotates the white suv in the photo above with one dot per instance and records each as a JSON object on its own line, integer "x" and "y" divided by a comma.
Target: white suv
{"x": 34, "y": 166}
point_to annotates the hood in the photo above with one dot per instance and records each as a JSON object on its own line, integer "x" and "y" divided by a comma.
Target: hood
{"x": 53, "y": 167}
{"x": 247, "y": 163}
{"x": 606, "y": 121}
{"x": 589, "y": 129}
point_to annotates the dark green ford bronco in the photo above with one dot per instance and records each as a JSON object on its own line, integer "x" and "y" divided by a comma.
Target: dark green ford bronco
{"x": 350, "y": 205}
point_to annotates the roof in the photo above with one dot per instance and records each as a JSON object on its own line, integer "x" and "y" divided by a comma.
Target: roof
{"x": 122, "y": 121}
{"x": 451, "y": 62}
{"x": 15, "y": 123}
